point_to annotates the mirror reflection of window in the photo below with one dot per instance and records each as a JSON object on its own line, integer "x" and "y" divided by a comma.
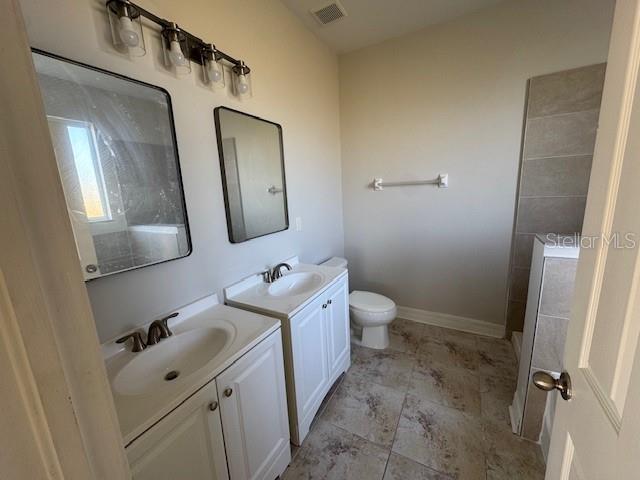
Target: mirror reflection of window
{"x": 115, "y": 146}
{"x": 84, "y": 164}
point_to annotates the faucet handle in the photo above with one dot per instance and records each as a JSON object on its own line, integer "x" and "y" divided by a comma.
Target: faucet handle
{"x": 165, "y": 331}
{"x": 138, "y": 343}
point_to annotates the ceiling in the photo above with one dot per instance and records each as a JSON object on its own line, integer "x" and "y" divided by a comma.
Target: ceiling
{"x": 371, "y": 21}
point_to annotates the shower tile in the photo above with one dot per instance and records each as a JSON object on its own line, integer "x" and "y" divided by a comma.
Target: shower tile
{"x": 558, "y": 176}
{"x": 558, "y": 283}
{"x": 550, "y": 214}
{"x": 548, "y": 349}
{"x": 574, "y": 90}
{"x": 562, "y": 135}
{"x": 519, "y": 284}
{"x": 523, "y": 249}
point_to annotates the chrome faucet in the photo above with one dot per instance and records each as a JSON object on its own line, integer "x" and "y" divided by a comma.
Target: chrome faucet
{"x": 270, "y": 276}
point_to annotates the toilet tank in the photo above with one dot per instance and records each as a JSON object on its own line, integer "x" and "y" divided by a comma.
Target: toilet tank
{"x": 335, "y": 262}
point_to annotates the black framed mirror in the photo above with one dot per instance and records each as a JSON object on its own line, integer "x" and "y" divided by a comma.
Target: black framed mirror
{"x": 115, "y": 145}
{"x": 253, "y": 178}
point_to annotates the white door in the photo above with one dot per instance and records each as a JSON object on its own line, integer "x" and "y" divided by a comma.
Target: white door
{"x": 338, "y": 334}
{"x": 596, "y": 435}
{"x": 187, "y": 443}
{"x": 310, "y": 362}
{"x": 253, "y": 406}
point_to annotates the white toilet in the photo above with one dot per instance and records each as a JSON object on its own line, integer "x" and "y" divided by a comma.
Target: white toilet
{"x": 370, "y": 313}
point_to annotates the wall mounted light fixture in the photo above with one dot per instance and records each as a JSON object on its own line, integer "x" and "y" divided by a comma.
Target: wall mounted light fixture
{"x": 179, "y": 46}
{"x": 242, "y": 80}
{"x": 213, "y": 69}
{"x": 126, "y": 27}
{"x": 175, "y": 46}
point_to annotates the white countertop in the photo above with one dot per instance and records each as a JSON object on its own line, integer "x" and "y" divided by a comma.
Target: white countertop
{"x": 137, "y": 413}
{"x": 252, "y": 293}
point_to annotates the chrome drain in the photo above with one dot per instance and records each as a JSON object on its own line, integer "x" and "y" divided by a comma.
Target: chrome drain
{"x": 172, "y": 375}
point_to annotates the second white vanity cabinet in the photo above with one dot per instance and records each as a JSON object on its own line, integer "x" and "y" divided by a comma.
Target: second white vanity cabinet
{"x": 318, "y": 350}
{"x": 312, "y": 302}
{"x": 235, "y": 427}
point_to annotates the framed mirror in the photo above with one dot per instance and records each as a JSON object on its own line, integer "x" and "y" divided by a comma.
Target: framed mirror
{"x": 115, "y": 144}
{"x": 252, "y": 166}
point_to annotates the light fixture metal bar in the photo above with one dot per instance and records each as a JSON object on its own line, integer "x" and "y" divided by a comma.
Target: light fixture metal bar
{"x": 196, "y": 44}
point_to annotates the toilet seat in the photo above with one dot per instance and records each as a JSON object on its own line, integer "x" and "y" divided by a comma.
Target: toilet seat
{"x": 370, "y": 302}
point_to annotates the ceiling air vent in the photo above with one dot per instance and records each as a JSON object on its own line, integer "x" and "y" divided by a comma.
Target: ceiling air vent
{"x": 329, "y": 13}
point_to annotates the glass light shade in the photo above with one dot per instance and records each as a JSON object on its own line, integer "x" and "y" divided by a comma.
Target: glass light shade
{"x": 175, "y": 46}
{"x": 242, "y": 81}
{"x": 213, "y": 72}
{"x": 126, "y": 27}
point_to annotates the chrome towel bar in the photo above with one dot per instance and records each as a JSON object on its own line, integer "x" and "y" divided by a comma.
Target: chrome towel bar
{"x": 442, "y": 182}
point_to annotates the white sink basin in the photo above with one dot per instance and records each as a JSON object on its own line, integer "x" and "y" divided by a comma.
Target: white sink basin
{"x": 171, "y": 360}
{"x": 295, "y": 284}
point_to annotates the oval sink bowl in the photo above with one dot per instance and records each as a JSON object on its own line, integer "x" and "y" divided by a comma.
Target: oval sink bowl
{"x": 295, "y": 284}
{"x": 170, "y": 361}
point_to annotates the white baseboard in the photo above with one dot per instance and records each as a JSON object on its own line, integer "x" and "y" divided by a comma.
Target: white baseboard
{"x": 516, "y": 341}
{"x": 454, "y": 322}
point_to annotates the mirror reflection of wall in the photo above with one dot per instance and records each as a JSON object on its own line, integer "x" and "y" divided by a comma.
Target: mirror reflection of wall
{"x": 252, "y": 163}
{"x": 115, "y": 146}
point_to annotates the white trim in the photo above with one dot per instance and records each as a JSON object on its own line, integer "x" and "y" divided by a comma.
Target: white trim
{"x": 545, "y": 434}
{"x": 516, "y": 342}
{"x": 463, "y": 324}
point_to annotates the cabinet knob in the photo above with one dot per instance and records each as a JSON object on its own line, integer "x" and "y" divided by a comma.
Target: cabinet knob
{"x": 227, "y": 392}
{"x": 213, "y": 405}
{"x": 324, "y": 305}
{"x": 329, "y": 302}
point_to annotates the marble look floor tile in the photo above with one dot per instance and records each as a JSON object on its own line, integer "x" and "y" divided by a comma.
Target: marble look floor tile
{"x": 509, "y": 456}
{"x": 446, "y": 385}
{"x": 405, "y": 335}
{"x": 496, "y": 394}
{"x": 390, "y": 368}
{"x": 457, "y": 337}
{"x": 365, "y": 409}
{"x": 441, "y": 438}
{"x": 331, "y": 453}
{"x": 448, "y": 352}
{"x": 496, "y": 356}
{"x": 402, "y": 468}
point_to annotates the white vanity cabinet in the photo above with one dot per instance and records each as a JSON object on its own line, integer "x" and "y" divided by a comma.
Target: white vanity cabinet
{"x": 238, "y": 420}
{"x": 320, "y": 352}
{"x": 253, "y": 407}
{"x": 187, "y": 443}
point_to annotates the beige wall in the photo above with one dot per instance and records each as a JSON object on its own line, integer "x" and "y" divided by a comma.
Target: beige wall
{"x": 295, "y": 83}
{"x": 450, "y": 99}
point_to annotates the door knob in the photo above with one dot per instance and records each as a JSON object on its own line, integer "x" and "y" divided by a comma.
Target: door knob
{"x": 546, "y": 382}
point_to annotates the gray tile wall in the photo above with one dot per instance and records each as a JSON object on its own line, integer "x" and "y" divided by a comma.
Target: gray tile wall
{"x": 556, "y": 294}
{"x": 560, "y": 129}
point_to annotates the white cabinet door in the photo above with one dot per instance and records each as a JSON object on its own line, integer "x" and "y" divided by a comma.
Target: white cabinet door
{"x": 253, "y": 406}
{"x": 187, "y": 443}
{"x": 338, "y": 330}
{"x": 310, "y": 362}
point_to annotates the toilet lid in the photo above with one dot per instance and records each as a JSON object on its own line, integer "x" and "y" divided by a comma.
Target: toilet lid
{"x": 370, "y": 302}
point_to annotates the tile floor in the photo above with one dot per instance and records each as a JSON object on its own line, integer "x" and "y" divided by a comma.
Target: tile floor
{"x": 433, "y": 406}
